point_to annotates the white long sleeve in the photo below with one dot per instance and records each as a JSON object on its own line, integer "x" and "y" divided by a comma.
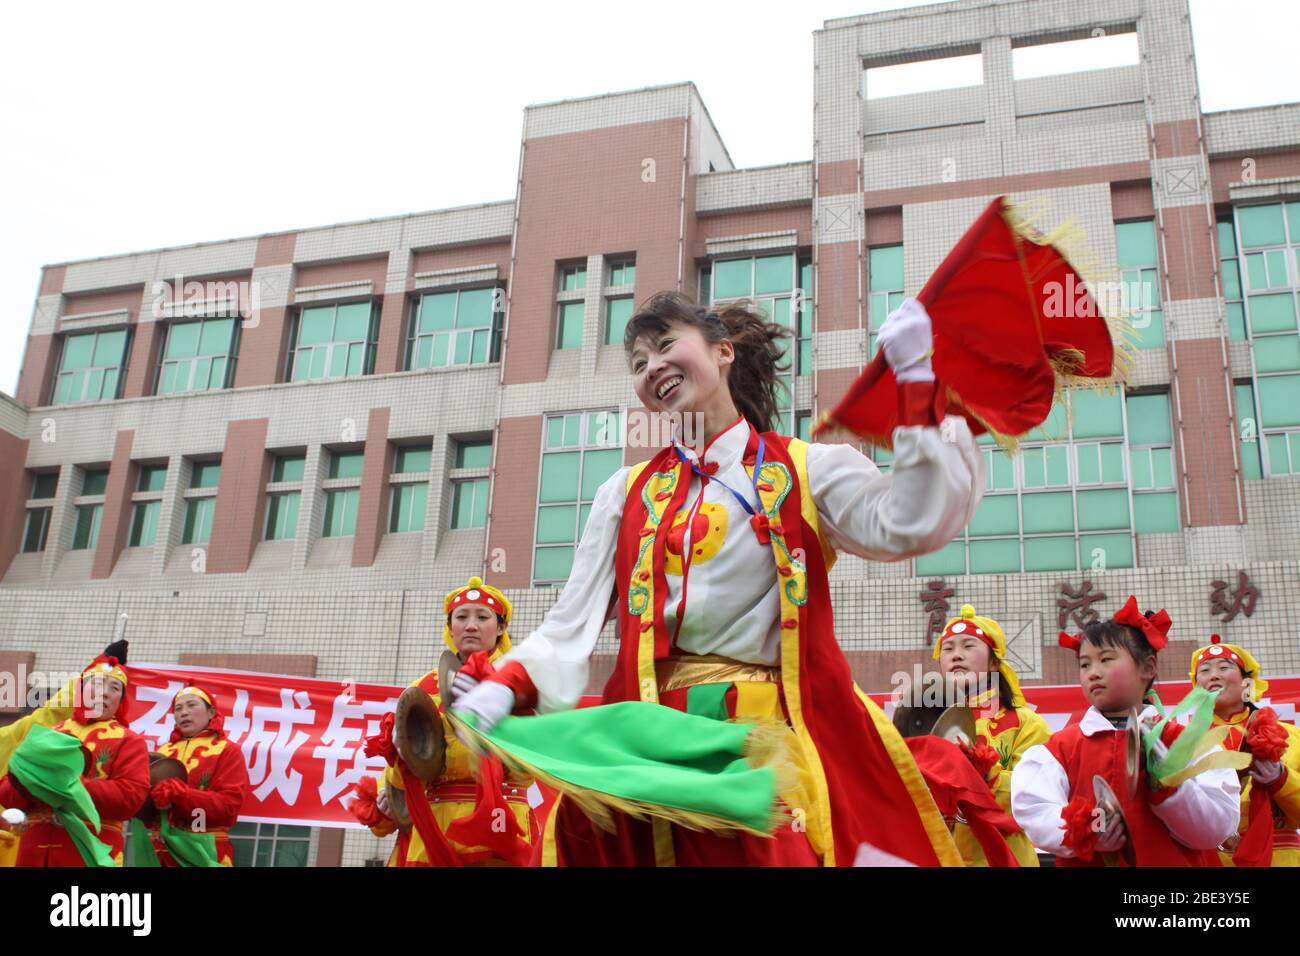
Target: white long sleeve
{"x": 1203, "y": 811}
{"x": 930, "y": 494}
{"x": 556, "y": 654}
{"x": 1040, "y": 790}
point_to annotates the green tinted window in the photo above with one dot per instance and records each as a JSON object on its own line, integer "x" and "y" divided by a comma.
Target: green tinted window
{"x": 1261, "y": 225}
{"x": 152, "y": 478}
{"x": 474, "y": 454}
{"x": 998, "y": 556}
{"x": 996, "y": 514}
{"x": 45, "y": 485}
{"x": 569, "y": 335}
{"x": 341, "y": 512}
{"x": 1096, "y": 414}
{"x": 1279, "y": 400}
{"x": 1135, "y": 243}
{"x": 617, "y": 313}
{"x": 347, "y": 464}
{"x": 288, "y": 468}
{"x": 144, "y": 524}
{"x": 95, "y": 482}
{"x": 773, "y": 274}
{"x": 1148, "y": 420}
{"x": 1050, "y": 554}
{"x": 414, "y": 459}
{"x": 885, "y": 267}
{"x": 1272, "y": 313}
{"x": 205, "y": 474}
{"x": 282, "y": 516}
{"x": 733, "y": 278}
{"x": 409, "y": 505}
{"x": 198, "y": 520}
{"x": 1103, "y": 509}
{"x": 1048, "y": 511}
{"x": 1156, "y": 514}
{"x": 1277, "y": 353}
{"x": 950, "y": 559}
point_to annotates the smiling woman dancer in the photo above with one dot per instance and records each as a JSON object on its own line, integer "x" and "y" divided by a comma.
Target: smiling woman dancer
{"x": 717, "y": 558}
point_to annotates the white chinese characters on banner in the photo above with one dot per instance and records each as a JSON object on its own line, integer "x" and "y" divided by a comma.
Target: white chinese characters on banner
{"x": 156, "y": 723}
{"x": 341, "y": 750}
{"x": 270, "y": 742}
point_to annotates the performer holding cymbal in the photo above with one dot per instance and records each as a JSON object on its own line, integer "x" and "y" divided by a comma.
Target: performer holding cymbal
{"x": 452, "y": 822}
{"x": 1270, "y": 786}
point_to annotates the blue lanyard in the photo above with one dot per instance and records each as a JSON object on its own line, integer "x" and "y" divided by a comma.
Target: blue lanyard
{"x": 758, "y": 464}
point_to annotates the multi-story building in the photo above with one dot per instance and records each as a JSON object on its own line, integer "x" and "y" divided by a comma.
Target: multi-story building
{"x": 285, "y": 465}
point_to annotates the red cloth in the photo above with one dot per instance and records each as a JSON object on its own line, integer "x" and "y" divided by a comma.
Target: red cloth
{"x": 992, "y": 304}
{"x": 1103, "y": 754}
{"x": 958, "y": 787}
{"x": 365, "y": 807}
{"x": 381, "y": 744}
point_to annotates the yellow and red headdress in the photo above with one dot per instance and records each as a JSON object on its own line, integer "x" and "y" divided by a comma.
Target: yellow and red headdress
{"x": 106, "y": 666}
{"x": 990, "y": 632}
{"x": 1217, "y": 650}
{"x": 216, "y": 725}
{"x": 476, "y": 592}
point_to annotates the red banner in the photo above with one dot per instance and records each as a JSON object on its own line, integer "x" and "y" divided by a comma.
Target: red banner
{"x": 302, "y": 737}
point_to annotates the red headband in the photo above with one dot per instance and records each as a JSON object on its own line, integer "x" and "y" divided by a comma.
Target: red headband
{"x": 1155, "y": 628}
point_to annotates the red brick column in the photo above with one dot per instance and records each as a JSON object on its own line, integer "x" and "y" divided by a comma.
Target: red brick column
{"x": 510, "y": 523}
{"x": 377, "y": 466}
{"x": 115, "y": 524}
{"x": 13, "y": 457}
{"x": 390, "y": 351}
{"x": 240, "y": 507}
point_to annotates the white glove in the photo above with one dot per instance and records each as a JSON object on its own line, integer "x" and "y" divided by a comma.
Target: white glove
{"x": 1265, "y": 772}
{"x": 381, "y": 803}
{"x": 907, "y": 341}
{"x": 462, "y": 684}
{"x": 489, "y": 702}
{"x": 1113, "y": 835}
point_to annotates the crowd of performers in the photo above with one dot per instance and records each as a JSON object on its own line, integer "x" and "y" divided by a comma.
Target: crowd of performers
{"x": 753, "y": 520}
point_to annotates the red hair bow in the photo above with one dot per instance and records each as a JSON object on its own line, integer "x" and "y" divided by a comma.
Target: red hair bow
{"x": 1155, "y": 628}
{"x": 1070, "y": 642}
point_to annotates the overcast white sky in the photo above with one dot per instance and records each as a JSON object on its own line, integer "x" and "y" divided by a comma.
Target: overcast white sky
{"x": 135, "y": 126}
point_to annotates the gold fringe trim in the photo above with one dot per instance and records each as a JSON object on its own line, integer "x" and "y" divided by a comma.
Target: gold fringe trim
{"x": 598, "y": 806}
{"x": 1071, "y": 240}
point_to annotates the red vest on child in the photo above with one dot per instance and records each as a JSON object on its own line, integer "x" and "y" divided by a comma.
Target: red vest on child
{"x": 1102, "y": 754}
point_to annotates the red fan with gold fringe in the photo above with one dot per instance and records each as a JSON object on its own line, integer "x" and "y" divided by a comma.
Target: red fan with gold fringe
{"x": 1012, "y": 320}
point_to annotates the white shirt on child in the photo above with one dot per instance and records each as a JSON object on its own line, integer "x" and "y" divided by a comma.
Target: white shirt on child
{"x": 1200, "y": 814}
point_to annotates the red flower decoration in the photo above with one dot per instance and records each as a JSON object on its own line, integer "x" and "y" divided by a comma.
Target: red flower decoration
{"x": 1077, "y": 818}
{"x": 1266, "y": 737}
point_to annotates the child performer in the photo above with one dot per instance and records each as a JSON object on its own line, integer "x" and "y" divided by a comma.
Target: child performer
{"x": 1270, "y": 787}
{"x": 970, "y": 648}
{"x": 1052, "y": 790}
{"x": 718, "y": 557}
